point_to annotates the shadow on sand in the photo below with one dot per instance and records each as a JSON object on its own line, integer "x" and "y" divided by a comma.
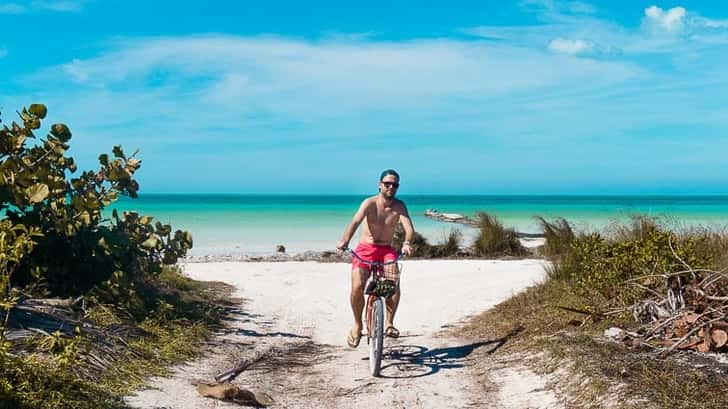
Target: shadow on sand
{"x": 415, "y": 361}
{"x": 252, "y": 333}
{"x": 239, "y": 316}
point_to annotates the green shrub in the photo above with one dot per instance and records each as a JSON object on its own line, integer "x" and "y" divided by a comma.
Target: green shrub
{"x": 16, "y": 242}
{"x": 494, "y": 240}
{"x": 79, "y": 252}
{"x": 450, "y": 246}
{"x": 639, "y": 227}
{"x": 558, "y": 236}
{"x": 54, "y": 241}
{"x": 600, "y": 266}
{"x": 423, "y": 249}
{"x": 564, "y": 313}
{"x": 710, "y": 245}
{"x": 32, "y": 383}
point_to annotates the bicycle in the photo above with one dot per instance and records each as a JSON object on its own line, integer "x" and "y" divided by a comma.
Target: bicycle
{"x": 381, "y": 285}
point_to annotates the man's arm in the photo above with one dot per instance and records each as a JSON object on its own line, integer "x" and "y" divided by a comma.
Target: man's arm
{"x": 409, "y": 230}
{"x": 351, "y": 228}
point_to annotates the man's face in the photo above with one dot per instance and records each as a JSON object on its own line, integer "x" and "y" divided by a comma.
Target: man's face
{"x": 388, "y": 185}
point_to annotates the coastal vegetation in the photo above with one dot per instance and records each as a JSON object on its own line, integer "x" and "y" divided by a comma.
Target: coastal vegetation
{"x": 90, "y": 305}
{"x": 618, "y": 306}
{"x": 493, "y": 240}
{"x": 451, "y": 246}
{"x": 558, "y": 236}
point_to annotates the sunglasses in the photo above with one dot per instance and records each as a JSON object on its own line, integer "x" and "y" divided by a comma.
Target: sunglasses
{"x": 391, "y": 184}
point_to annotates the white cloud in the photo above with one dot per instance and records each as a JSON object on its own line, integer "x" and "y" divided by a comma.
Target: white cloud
{"x": 583, "y": 36}
{"x": 12, "y": 8}
{"x": 356, "y": 74}
{"x": 343, "y": 37}
{"x": 679, "y": 20}
{"x": 581, "y": 8}
{"x": 236, "y": 98}
{"x": 553, "y": 9}
{"x": 538, "y": 5}
{"x": 231, "y": 89}
{"x": 674, "y": 31}
{"x": 572, "y": 47}
{"x": 75, "y": 70}
{"x": 3, "y": 52}
{"x": 670, "y": 21}
{"x": 710, "y": 23}
{"x": 63, "y": 6}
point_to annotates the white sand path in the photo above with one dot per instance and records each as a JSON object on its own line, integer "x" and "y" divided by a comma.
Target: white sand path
{"x": 291, "y": 303}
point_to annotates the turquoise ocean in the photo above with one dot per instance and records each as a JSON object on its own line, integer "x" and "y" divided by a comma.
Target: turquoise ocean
{"x": 224, "y": 224}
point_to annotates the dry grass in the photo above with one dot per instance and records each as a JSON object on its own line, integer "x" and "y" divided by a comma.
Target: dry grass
{"x": 495, "y": 240}
{"x": 558, "y": 235}
{"x": 564, "y": 323}
{"x": 572, "y": 339}
{"x": 645, "y": 382}
{"x": 713, "y": 244}
{"x": 83, "y": 373}
{"x": 450, "y": 246}
{"x": 639, "y": 227}
{"x": 535, "y": 310}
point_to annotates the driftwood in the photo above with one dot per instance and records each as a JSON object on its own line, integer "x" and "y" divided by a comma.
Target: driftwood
{"x": 690, "y": 312}
{"x": 231, "y": 374}
{"x": 468, "y": 221}
{"x": 702, "y": 344}
{"x": 450, "y": 217}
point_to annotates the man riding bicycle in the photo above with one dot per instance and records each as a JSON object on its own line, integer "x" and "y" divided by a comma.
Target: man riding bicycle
{"x": 382, "y": 213}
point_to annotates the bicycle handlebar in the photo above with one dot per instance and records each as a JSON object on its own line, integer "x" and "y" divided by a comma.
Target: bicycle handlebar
{"x": 374, "y": 263}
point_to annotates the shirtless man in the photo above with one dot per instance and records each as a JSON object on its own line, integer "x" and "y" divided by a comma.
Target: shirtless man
{"x": 382, "y": 213}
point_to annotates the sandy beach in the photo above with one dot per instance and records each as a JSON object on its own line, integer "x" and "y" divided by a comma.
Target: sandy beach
{"x": 302, "y": 308}
{"x": 177, "y": 193}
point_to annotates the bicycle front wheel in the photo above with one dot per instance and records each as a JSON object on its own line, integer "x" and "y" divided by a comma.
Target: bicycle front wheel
{"x": 376, "y": 341}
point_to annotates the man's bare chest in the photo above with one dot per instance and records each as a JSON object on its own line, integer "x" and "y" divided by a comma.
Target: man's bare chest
{"x": 383, "y": 216}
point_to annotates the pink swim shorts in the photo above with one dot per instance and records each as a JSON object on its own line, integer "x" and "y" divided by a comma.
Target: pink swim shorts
{"x": 373, "y": 252}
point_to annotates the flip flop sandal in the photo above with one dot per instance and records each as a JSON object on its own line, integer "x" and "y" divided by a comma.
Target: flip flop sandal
{"x": 352, "y": 340}
{"x": 391, "y": 332}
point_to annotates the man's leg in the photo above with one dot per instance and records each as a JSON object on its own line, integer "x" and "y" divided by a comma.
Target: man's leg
{"x": 358, "y": 279}
{"x": 393, "y": 301}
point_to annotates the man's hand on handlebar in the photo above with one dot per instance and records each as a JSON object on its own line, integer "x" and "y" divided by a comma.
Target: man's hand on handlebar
{"x": 406, "y": 248}
{"x": 343, "y": 245}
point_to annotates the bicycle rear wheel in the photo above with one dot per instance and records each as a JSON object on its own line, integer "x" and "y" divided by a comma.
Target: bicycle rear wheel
{"x": 376, "y": 336}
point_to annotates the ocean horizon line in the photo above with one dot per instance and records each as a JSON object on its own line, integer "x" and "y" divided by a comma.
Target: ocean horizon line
{"x": 484, "y": 195}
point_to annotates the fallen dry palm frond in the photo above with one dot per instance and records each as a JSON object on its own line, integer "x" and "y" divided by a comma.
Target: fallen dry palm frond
{"x": 232, "y": 373}
{"x": 273, "y": 358}
{"x": 114, "y": 353}
{"x": 690, "y": 313}
{"x": 33, "y": 323}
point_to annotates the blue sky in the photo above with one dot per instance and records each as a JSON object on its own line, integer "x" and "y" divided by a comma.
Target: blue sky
{"x": 528, "y": 97}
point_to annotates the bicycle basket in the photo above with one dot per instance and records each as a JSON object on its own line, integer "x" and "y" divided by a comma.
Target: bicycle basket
{"x": 384, "y": 287}
{"x": 383, "y": 283}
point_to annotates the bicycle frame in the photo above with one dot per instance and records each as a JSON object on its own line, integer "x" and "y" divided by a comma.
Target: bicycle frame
{"x": 378, "y": 288}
